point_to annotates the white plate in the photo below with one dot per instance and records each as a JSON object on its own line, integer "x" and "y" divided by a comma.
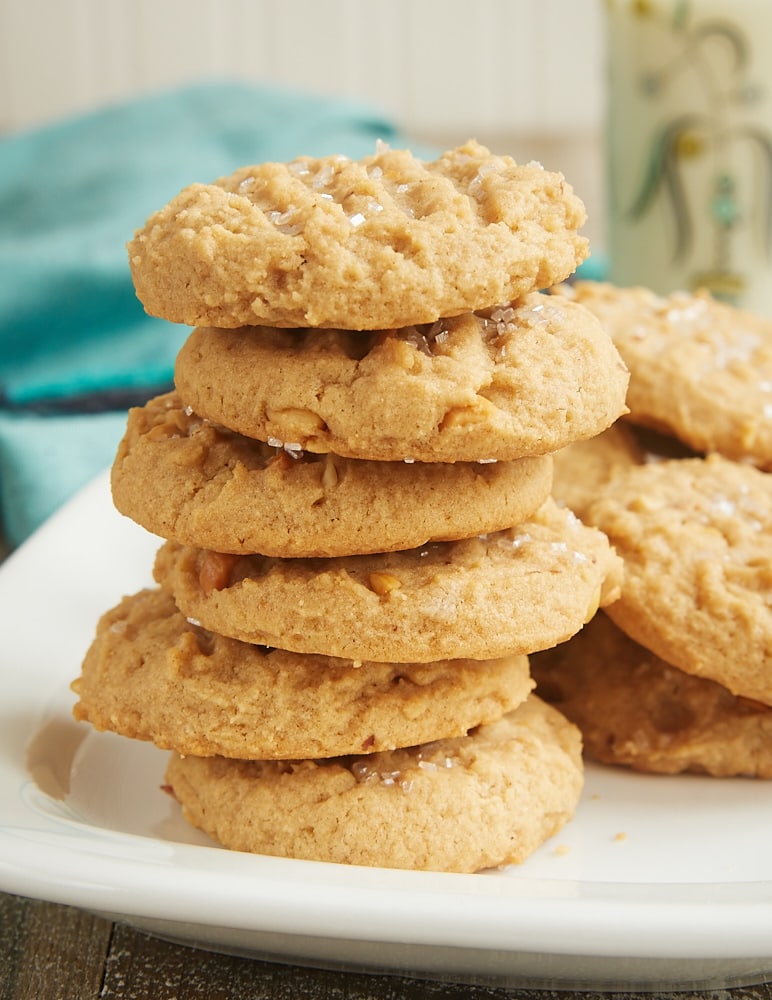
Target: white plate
{"x": 657, "y": 882}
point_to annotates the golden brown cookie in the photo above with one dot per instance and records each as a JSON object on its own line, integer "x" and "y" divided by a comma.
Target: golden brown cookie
{"x": 636, "y": 710}
{"x": 696, "y": 539}
{"x": 700, "y": 369}
{"x": 182, "y": 477}
{"x": 376, "y": 243}
{"x": 516, "y": 381}
{"x": 150, "y": 674}
{"x": 581, "y": 469}
{"x": 495, "y": 595}
{"x": 486, "y": 799}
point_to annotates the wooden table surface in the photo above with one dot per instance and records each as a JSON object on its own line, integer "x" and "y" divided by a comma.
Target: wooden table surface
{"x": 52, "y": 952}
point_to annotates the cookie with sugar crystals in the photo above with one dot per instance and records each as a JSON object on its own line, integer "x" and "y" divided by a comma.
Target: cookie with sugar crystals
{"x": 150, "y": 674}
{"x": 696, "y": 539}
{"x": 700, "y": 369}
{"x": 373, "y": 244}
{"x": 478, "y": 801}
{"x": 635, "y": 710}
{"x": 516, "y": 381}
{"x": 508, "y": 592}
{"x": 183, "y": 477}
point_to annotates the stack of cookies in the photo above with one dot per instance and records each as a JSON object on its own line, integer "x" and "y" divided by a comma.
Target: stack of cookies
{"x": 677, "y": 675}
{"x": 353, "y": 479}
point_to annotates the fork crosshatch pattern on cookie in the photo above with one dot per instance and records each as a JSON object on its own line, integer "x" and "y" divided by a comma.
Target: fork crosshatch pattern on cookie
{"x": 378, "y": 243}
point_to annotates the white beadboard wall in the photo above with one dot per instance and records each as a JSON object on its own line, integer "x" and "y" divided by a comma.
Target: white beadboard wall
{"x": 523, "y": 76}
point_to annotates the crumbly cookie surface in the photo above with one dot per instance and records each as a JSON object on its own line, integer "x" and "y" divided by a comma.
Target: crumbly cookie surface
{"x": 183, "y": 477}
{"x": 375, "y": 243}
{"x": 500, "y": 594}
{"x": 483, "y": 800}
{"x": 517, "y": 381}
{"x": 150, "y": 674}
{"x": 635, "y": 710}
{"x": 700, "y": 369}
{"x": 696, "y": 539}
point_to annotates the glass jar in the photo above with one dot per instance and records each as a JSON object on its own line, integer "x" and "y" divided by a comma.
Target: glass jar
{"x": 689, "y": 147}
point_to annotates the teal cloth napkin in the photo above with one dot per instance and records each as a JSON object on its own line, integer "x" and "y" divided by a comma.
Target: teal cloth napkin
{"x": 76, "y": 347}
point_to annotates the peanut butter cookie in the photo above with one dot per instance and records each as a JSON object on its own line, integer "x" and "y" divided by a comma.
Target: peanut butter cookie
{"x": 636, "y": 710}
{"x": 150, "y": 674}
{"x": 696, "y": 539}
{"x": 478, "y": 801}
{"x": 494, "y": 595}
{"x": 700, "y": 369}
{"x": 374, "y": 244}
{"x": 520, "y": 380}
{"x": 183, "y": 477}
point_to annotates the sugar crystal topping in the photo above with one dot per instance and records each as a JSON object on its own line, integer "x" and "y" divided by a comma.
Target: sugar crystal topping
{"x": 293, "y": 448}
{"x": 429, "y": 759}
{"x": 284, "y": 221}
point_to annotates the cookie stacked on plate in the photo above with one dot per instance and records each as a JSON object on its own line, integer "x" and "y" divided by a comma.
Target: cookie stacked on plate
{"x": 353, "y": 479}
{"x": 677, "y": 675}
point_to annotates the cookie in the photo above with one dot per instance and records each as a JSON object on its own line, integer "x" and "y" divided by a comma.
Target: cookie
{"x": 696, "y": 539}
{"x": 376, "y": 243}
{"x": 183, "y": 477}
{"x": 513, "y": 382}
{"x": 478, "y": 801}
{"x": 151, "y": 675}
{"x": 494, "y": 595}
{"x": 701, "y": 369}
{"x": 635, "y": 710}
{"x": 581, "y": 469}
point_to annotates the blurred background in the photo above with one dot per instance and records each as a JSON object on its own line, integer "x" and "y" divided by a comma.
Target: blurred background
{"x": 524, "y": 77}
